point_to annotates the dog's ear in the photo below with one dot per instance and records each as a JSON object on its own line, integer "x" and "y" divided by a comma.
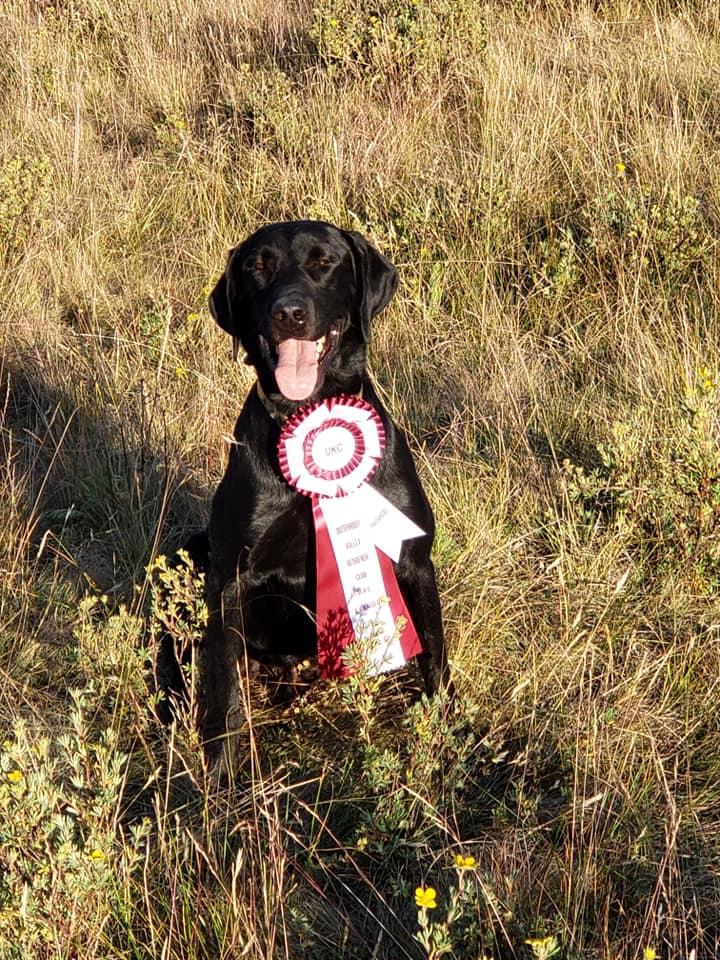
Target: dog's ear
{"x": 377, "y": 279}
{"x": 220, "y": 307}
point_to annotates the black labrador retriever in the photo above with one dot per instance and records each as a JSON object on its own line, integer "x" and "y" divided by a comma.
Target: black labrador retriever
{"x": 299, "y": 299}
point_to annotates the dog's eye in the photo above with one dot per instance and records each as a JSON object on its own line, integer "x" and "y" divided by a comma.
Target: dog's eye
{"x": 255, "y": 264}
{"x": 318, "y": 256}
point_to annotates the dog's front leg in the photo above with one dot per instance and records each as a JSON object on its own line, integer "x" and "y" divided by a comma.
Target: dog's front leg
{"x": 220, "y": 715}
{"x": 419, "y": 589}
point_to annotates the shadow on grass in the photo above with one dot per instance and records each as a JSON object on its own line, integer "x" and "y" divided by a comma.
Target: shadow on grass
{"x": 96, "y": 493}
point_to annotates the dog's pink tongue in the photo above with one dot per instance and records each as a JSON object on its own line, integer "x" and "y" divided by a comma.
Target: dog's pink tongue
{"x": 296, "y": 371}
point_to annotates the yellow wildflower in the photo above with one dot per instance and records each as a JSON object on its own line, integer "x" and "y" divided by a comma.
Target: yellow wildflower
{"x": 706, "y": 378}
{"x": 649, "y": 953}
{"x": 620, "y": 167}
{"x": 97, "y": 855}
{"x": 15, "y": 776}
{"x": 426, "y": 897}
{"x": 465, "y": 863}
{"x": 543, "y": 948}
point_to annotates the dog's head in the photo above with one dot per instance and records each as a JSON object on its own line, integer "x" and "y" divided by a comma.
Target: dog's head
{"x": 300, "y": 298}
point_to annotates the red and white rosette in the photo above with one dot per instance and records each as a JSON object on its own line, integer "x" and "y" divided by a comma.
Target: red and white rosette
{"x": 328, "y": 452}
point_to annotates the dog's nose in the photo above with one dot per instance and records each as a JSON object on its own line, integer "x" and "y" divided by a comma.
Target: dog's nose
{"x": 293, "y": 313}
{"x": 290, "y": 313}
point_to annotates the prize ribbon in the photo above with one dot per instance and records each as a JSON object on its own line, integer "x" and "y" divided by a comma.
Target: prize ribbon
{"x": 328, "y": 452}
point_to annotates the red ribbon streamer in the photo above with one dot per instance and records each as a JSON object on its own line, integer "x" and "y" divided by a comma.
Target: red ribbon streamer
{"x": 334, "y": 627}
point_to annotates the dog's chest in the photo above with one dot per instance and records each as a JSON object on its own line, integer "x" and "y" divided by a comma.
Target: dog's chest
{"x": 281, "y": 536}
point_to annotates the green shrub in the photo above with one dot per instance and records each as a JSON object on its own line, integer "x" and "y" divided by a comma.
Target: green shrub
{"x": 61, "y": 856}
{"x": 659, "y": 488}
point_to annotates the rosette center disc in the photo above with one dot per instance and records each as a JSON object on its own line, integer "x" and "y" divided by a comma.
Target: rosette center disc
{"x": 331, "y": 448}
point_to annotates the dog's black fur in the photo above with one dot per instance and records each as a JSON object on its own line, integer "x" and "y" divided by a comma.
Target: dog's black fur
{"x": 297, "y": 281}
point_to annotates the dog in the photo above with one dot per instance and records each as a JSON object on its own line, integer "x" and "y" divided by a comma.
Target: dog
{"x": 299, "y": 299}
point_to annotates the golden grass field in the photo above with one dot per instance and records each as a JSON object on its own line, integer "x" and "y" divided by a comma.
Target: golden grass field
{"x": 546, "y": 177}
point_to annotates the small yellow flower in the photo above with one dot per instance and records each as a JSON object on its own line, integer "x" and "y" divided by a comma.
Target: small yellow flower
{"x": 426, "y": 897}
{"x": 706, "y": 378}
{"x": 543, "y": 948}
{"x": 97, "y": 855}
{"x": 465, "y": 863}
{"x": 15, "y": 776}
{"x": 649, "y": 953}
{"x": 193, "y": 317}
{"x": 333, "y": 22}
{"x": 180, "y": 372}
{"x": 620, "y": 167}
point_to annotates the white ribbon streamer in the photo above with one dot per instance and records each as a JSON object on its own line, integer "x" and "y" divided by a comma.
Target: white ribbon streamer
{"x": 358, "y": 524}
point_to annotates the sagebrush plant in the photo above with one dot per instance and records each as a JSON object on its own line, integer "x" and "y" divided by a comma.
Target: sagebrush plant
{"x": 544, "y": 175}
{"x": 658, "y": 486}
{"x": 178, "y": 615}
{"x": 24, "y": 194}
{"x": 396, "y": 38}
{"x": 64, "y": 855}
{"x": 659, "y": 244}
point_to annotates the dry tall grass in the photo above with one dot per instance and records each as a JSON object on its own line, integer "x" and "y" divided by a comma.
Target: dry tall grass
{"x": 546, "y": 177}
